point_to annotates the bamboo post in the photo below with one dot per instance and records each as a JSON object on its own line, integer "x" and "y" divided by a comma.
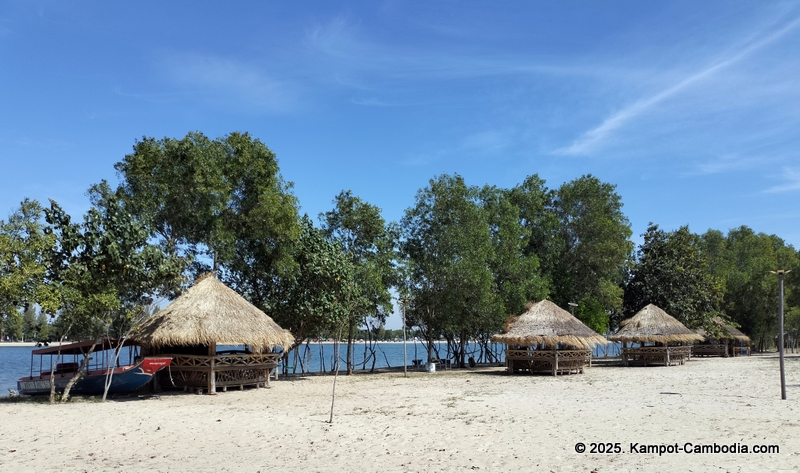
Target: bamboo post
{"x": 212, "y": 376}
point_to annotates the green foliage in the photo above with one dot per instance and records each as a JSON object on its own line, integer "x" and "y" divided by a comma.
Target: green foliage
{"x": 591, "y": 313}
{"x": 671, "y": 271}
{"x": 742, "y": 260}
{"x": 318, "y": 296}
{"x": 102, "y": 267}
{"x": 369, "y": 243}
{"x": 515, "y": 270}
{"x": 222, "y": 200}
{"x": 23, "y": 249}
{"x": 593, "y": 244}
{"x": 447, "y": 248}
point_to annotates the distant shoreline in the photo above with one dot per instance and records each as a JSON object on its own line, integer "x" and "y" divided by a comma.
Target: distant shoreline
{"x": 28, "y": 344}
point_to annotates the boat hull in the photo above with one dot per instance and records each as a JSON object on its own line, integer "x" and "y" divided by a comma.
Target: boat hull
{"x": 124, "y": 380}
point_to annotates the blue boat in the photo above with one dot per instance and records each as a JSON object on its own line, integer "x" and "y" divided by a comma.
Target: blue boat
{"x": 126, "y": 378}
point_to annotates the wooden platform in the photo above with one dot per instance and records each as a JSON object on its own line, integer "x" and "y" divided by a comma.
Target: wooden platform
{"x": 663, "y": 356}
{"x": 222, "y": 370}
{"x": 719, "y": 349}
{"x": 553, "y": 362}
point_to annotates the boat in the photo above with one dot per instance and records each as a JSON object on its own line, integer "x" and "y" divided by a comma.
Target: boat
{"x": 126, "y": 378}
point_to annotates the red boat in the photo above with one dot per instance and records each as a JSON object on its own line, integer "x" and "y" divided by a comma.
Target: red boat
{"x": 125, "y": 378}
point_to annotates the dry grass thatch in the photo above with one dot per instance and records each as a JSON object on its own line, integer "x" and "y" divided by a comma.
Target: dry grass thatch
{"x": 652, "y": 324}
{"x": 211, "y": 312}
{"x": 727, "y": 331}
{"x": 544, "y": 322}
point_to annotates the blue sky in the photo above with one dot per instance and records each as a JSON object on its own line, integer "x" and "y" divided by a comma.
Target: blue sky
{"x": 691, "y": 108}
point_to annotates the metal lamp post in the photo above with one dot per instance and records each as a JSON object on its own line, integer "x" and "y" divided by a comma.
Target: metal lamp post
{"x": 572, "y": 307}
{"x": 403, "y": 311}
{"x": 781, "y": 273}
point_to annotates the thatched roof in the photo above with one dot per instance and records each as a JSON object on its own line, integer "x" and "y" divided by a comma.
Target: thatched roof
{"x": 727, "y": 331}
{"x": 652, "y": 324}
{"x": 211, "y": 312}
{"x": 544, "y": 322}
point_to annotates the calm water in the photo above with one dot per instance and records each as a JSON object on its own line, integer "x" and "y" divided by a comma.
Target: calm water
{"x": 15, "y": 362}
{"x": 316, "y": 357}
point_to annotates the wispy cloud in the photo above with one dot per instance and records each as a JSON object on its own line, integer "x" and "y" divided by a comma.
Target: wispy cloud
{"x": 229, "y": 82}
{"x": 728, "y": 164}
{"x": 478, "y": 145}
{"x": 791, "y": 176}
{"x": 596, "y": 137}
{"x": 351, "y": 57}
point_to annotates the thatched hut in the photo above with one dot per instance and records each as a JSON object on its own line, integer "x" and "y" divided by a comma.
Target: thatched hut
{"x": 730, "y": 341}
{"x": 547, "y": 338}
{"x": 662, "y": 339}
{"x": 207, "y": 315}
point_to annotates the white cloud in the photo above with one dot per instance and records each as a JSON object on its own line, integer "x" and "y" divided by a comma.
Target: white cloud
{"x": 792, "y": 184}
{"x": 597, "y": 137}
{"x": 728, "y": 164}
{"x": 230, "y": 83}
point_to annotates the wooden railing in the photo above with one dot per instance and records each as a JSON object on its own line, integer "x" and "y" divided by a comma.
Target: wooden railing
{"x": 666, "y": 356}
{"x": 548, "y": 361}
{"x": 716, "y": 349}
{"x": 223, "y": 370}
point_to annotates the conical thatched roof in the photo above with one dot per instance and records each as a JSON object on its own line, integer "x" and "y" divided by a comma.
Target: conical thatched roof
{"x": 652, "y": 324}
{"x": 728, "y": 331}
{"x": 544, "y": 322}
{"x": 211, "y": 312}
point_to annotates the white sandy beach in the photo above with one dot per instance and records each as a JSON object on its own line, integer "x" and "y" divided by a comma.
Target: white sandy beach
{"x": 474, "y": 420}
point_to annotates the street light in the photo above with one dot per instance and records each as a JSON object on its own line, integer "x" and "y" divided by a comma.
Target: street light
{"x": 780, "y": 274}
{"x": 403, "y": 311}
{"x": 572, "y": 307}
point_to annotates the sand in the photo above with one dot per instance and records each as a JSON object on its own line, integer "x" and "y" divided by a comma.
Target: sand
{"x": 472, "y": 420}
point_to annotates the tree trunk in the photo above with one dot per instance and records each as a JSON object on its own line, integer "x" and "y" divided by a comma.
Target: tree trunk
{"x": 462, "y": 346}
{"x": 350, "y": 336}
{"x": 335, "y": 374}
{"x": 79, "y": 374}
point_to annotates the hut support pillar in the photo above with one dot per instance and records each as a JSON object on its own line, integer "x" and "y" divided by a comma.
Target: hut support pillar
{"x": 624, "y": 355}
{"x": 212, "y": 376}
{"x": 667, "y": 357}
{"x": 555, "y": 359}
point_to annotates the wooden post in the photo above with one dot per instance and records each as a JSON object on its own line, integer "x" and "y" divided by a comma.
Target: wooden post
{"x": 555, "y": 359}
{"x": 212, "y": 376}
{"x": 624, "y": 353}
{"x": 667, "y": 348}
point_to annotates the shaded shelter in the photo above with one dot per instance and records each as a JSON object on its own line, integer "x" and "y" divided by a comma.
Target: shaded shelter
{"x": 207, "y": 315}
{"x": 662, "y": 339}
{"x": 730, "y": 341}
{"x": 547, "y": 338}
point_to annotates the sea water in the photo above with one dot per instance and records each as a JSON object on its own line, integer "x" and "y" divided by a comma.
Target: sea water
{"x": 313, "y": 357}
{"x": 15, "y": 362}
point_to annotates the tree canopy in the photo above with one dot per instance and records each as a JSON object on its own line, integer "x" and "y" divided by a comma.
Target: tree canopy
{"x": 671, "y": 271}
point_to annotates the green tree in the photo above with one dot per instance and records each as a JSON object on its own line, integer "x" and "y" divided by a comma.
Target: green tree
{"x": 592, "y": 241}
{"x": 671, "y": 271}
{"x": 317, "y": 297}
{"x": 222, "y": 203}
{"x": 591, "y": 313}
{"x": 446, "y": 249}
{"x": 537, "y": 216}
{"x": 24, "y": 245}
{"x": 515, "y": 270}
{"x": 743, "y": 261}
{"x": 370, "y": 243}
{"x": 102, "y": 269}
